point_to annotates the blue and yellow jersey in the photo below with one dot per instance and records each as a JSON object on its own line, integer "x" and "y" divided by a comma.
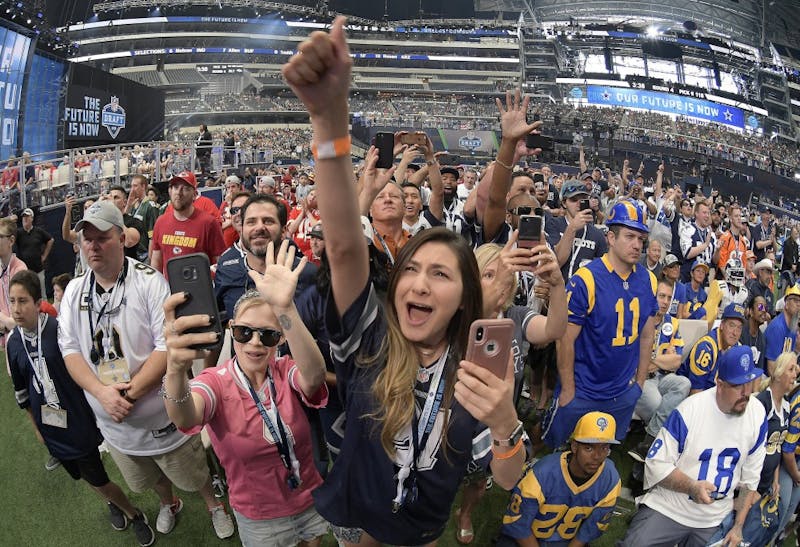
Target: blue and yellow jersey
{"x": 666, "y": 336}
{"x": 697, "y": 300}
{"x": 779, "y": 337}
{"x": 701, "y": 365}
{"x": 547, "y": 504}
{"x": 792, "y": 440}
{"x": 611, "y": 312}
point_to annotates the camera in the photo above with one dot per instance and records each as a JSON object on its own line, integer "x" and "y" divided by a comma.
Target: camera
{"x": 189, "y": 273}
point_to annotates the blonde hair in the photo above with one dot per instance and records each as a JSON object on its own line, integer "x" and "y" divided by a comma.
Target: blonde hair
{"x": 779, "y": 366}
{"x": 8, "y": 226}
{"x": 485, "y": 255}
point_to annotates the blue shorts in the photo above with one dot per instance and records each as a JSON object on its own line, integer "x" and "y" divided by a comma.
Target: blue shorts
{"x": 559, "y": 421}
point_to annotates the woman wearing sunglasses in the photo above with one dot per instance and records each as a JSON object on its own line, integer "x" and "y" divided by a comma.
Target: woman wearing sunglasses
{"x": 252, "y": 406}
{"x": 417, "y": 414}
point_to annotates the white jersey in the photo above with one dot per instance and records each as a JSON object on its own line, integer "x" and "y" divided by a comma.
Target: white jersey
{"x": 730, "y": 297}
{"x": 131, "y": 327}
{"x": 706, "y": 444}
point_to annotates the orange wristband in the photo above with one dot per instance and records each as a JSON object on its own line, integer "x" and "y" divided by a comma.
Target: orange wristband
{"x": 331, "y": 149}
{"x": 507, "y": 455}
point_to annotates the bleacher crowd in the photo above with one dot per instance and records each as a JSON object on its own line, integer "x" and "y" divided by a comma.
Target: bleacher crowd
{"x": 439, "y": 326}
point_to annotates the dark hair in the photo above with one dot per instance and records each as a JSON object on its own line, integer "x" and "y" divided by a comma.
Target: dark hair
{"x": 666, "y": 281}
{"x": 29, "y": 281}
{"x": 240, "y": 193}
{"x": 266, "y": 198}
{"x": 119, "y": 188}
{"x": 62, "y": 280}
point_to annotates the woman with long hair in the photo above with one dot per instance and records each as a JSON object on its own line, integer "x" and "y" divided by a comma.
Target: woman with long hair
{"x": 417, "y": 413}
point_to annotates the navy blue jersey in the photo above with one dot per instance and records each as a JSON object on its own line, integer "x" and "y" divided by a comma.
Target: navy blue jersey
{"x": 81, "y": 435}
{"x": 547, "y": 504}
{"x": 361, "y": 485}
{"x": 589, "y": 243}
{"x": 611, "y": 312}
{"x": 777, "y": 428}
{"x": 780, "y": 338}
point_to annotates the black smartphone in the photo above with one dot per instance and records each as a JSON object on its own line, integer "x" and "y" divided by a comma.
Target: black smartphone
{"x": 534, "y": 140}
{"x": 530, "y": 231}
{"x": 538, "y": 177}
{"x": 384, "y": 142}
{"x": 192, "y": 274}
{"x": 76, "y": 214}
{"x": 584, "y": 205}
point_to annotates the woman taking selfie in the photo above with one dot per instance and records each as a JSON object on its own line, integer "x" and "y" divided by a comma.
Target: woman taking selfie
{"x": 417, "y": 413}
{"x": 252, "y": 405}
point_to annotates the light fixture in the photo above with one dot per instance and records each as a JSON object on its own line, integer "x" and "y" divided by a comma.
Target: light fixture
{"x": 653, "y": 31}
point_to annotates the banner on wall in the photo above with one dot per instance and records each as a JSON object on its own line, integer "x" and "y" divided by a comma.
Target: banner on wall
{"x": 13, "y": 61}
{"x": 679, "y": 105}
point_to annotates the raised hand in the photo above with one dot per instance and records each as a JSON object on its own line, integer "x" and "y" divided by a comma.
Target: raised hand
{"x": 513, "y": 117}
{"x": 278, "y": 282}
{"x": 373, "y": 179}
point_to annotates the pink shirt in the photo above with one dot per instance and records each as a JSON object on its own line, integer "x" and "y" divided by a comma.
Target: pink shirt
{"x": 256, "y": 476}
{"x": 14, "y": 265}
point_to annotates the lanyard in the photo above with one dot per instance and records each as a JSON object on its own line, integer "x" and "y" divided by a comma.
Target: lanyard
{"x": 385, "y": 247}
{"x": 102, "y": 311}
{"x": 277, "y": 430}
{"x": 575, "y": 251}
{"x": 420, "y": 434}
{"x": 39, "y": 365}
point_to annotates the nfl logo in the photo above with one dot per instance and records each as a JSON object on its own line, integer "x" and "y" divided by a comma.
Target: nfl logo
{"x": 113, "y": 117}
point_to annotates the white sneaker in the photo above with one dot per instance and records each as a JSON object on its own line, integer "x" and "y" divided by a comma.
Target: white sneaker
{"x": 223, "y": 524}
{"x": 166, "y": 516}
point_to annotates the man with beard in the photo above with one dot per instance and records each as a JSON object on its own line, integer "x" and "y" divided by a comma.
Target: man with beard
{"x": 712, "y": 444}
{"x": 781, "y": 333}
{"x": 263, "y": 220}
{"x": 755, "y": 315}
{"x": 185, "y": 229}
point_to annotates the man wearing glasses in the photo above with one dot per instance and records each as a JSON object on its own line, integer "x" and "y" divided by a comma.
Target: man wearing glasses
{"x": 566, "y": 497}
{"x": 756, "y": 314}
{"x": 574, "y": 237}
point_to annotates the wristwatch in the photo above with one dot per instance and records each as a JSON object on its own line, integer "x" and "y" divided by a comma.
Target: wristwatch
{"x": 513, "y": 439}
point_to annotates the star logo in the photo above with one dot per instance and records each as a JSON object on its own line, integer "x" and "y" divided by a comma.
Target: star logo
{"x": 728, "y": 115}
{"x": 606, "y": 96}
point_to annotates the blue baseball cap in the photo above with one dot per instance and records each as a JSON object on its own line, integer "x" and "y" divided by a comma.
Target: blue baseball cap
{"x": 572, "y": 188}
{"x": 736, "y": 366}
{"x": 733, "y": 311}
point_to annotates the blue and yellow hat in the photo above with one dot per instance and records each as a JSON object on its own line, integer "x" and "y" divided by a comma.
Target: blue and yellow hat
{"x": 596, "y": 428}
{"x": 627, "y": 213}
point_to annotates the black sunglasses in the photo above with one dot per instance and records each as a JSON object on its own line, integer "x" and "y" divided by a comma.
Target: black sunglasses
{"x": 234, "y": 210}
{"x": 243, "y": 334}
{"x": 518, "y": 211}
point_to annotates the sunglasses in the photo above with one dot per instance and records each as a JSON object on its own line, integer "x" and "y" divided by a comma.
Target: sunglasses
{"x": 234, "y": 210}
{"x": 268, "y": 337}
{"x": 761, "y": 307}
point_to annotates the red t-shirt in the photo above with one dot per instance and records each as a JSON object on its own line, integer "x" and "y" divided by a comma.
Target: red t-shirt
{"x": 204, "y": 204}
{"x": 197, "y": 234}
{"x": 301, "y": 235}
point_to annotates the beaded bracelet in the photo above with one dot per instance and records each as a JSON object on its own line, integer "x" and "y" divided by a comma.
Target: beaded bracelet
{"x": 507, "y": 455}
{"x": 165, "y": 395}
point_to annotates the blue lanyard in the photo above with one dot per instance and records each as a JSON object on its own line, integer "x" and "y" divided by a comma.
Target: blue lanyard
{"x": 278, "y": 433}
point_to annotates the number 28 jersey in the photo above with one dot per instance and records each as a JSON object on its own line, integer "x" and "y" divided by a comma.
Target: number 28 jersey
{"x": 726, "y": 450}
{"x": 611, "y": 312}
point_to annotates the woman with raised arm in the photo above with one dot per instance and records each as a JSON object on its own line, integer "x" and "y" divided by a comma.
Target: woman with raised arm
{"x": 252, "y": 405}
{"x": 417, "y": 414}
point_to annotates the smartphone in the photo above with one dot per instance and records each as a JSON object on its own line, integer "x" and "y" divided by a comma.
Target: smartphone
{"x": 489, "y": 344}
{"x": 418, "y": 137}
{"x": 76, "y": 214}
{"x": 584, "y": 205}
{"x": 384, "y": 142}
{"x": 534, "y": 140}
{"x": 530, "y": 231}
{"x": 192, "y": 273}
{"x": 538, "y": 177}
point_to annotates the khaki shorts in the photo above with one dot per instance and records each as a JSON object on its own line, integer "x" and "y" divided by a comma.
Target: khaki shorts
{"x": 185, "y": 466}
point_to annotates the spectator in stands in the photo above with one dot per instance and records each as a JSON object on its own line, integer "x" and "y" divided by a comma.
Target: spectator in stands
{"x": 752, "y": 334}
{"x": 790, "y": 259}
{"x": 692, "y": 470}
{"x": 301, "y": 219}
{"x": 33, "y": 246}
{"x": 116, "y": 353}
{"x": 134, "y": 228}
{"x": 270, "y": 482}
{"x": 682, "y": 223}
{"x": 203, "y": 149}
{"x": 701, "y": 366}
{"x": 57, "y": 405}
{"x": 653, "y": 257}
{"x": 696, "y": 295}
{"x": 584, "y": 511}
{"x": 781, "y": 333}
{"x": 601, "y": 368}
{"x": 761, "y": 285}
{"x": 143, "y": 207}
{"x": 789, "y": 474}
{"x": 697, "y": 240}
{"x": 184, "y": 228}
{"x": 60, "y": 283}
{"x": 574, "y": 237}
{"x": 679, "y": 307}
{"x": 730, "y": 289}
{"x": 468, "y": 182}
{"x": 764, "y": 235}
{"x": 10, "y": 264}
{"x": 382, "y": 200}
{"x": 317, "y": 241}
{"x": 663, "y": 390}
{"x": 304, "y": 186}
{"x": 733, "y": 242}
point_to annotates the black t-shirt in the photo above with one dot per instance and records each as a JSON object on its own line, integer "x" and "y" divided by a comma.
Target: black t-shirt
{"x": 30, "y": 246}
{"x": 140, "y": 248}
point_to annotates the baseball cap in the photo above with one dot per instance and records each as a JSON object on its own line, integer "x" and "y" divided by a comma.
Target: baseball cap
{"x": 232, "y": 179}
{"x": 736, "y": 366}
{"x": 596, "y": 428}
{"x": 185, "y": 177}
{"x": 316, "y": 231}
{"x": 733, "y": 311}
{"x": 452, "y": 170}
{"x": 699, "y": 264}
{"x": 586, "y": 175}
{"x": 28, "y": 212}
{"x": 103, "y": 215}
{"x": 414, "y": 167}
{"x": 765, "y": 263}
{"x": 573, "y": 187}
{"x": 671, "y": 260}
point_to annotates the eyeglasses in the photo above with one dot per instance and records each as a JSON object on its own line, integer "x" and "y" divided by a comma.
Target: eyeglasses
{"x": 518, "y": 211}
{"x": 761, "y": 307}
{"x": 235, "y": 210}
{"x": 243, "y": 334}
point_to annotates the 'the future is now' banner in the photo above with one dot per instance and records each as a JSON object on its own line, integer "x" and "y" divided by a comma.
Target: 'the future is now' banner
{"x": 666, "y": 102}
